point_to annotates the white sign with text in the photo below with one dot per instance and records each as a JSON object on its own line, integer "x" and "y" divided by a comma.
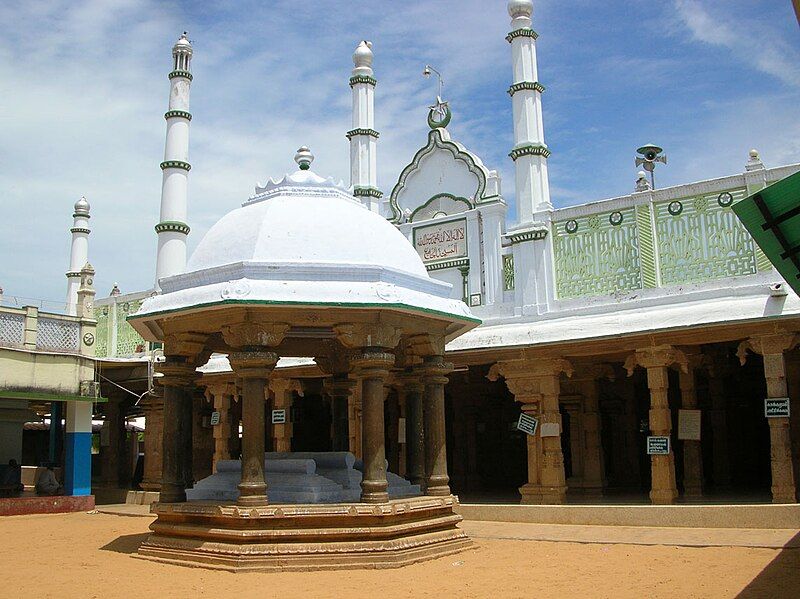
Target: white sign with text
{"x": 442, "y": 241}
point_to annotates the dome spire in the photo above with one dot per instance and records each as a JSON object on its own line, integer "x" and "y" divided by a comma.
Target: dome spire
{"x": 304, "y": 158}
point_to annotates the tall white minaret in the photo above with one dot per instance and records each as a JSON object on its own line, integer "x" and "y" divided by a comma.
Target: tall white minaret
{"x": 530, "y": 152}
{"x": 363, "y": 137}
{"x": 78, "y": 253}
{"x": 172, "y": 228}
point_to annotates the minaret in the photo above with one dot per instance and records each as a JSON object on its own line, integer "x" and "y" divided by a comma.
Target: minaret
{"x": 172, "y": 228}
{"x": 79, "y": 253}
{"x": 363, "y": 137}
{"x": 530, "y": 152}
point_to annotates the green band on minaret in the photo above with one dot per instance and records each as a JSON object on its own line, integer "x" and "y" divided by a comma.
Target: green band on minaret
{"x": 367, "y": 192}
{"x": 172, "y": 225}
{"x": 531, "y": 85}
{"x": 185, "y": 74}
{"x": 530, "y": 150}
{"x": 363, "y": 79}
{"x": 370, "y": 132}
{"x": 176, "y": 164}
{"x": 522, "y": 33}
{"x": 178, "y": 113}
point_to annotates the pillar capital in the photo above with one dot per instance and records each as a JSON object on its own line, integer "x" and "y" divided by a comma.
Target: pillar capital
{"x": 253, "y": 364}
{"x": 177, "y": 372}
{"x": 372, "y": 363}
{"x": 281, "y": 385}
{"x": 434, "y": 369}
{"x": 409, "y": 380}
{"x": 771, "y": 344}
{"x": 530, "y": 379}
{"x": 661, "y": 356}
{"x": 254, "y": 334}
{"x": 424, "y": 344}
{"x": 365, "y": 334}
{"x": 189, "y": 345}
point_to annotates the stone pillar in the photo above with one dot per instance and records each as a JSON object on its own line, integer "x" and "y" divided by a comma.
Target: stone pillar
{"x": 593, "y": 468}
{"x": 253, "y": 367}
{"x": 434, "y": 375}
{"x": 111, "y": 453}
{"x": 772, "y": 347}
{"x": 415, "y": 429}
{"x": 340, "y": 388}
{"x": 283, "y": 390}
{"x": 535, "y": 384}
{"x": 692, "y": 450}
{"x": 719, "y": 370}
{"x": 373, "y": 367}
{"x": 186, "y": 407}
{"x": 153, "y": 442}
{"x": 657, "y": 360}
{"x": 221, "y": 397}
{"x": 179, "y": 375}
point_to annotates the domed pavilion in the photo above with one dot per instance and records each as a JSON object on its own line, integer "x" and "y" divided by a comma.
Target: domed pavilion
{"x": 303, "y": 269}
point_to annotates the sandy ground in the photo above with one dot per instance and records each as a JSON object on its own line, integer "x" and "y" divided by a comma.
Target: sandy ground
{"x": 90, "y": 555}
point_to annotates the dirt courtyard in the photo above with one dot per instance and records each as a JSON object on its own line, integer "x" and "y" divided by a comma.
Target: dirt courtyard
{"x": 90, "y": 555}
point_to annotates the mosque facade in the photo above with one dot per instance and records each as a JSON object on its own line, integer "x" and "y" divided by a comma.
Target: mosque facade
{"x": 629, "y": 347}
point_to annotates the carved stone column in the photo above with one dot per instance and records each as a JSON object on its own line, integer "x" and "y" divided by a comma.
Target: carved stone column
{"x": 434, "y": 375}
{"x": 719, "y": 371}
{"x": 415, "y": 430}
{"x": 153, "y": 441}
{"x": 772, "y": 347}
{"x": 593, "y": 467}
{"x": 535, "y": 384}
{"x": 254, "y": 368}
{"x": 111, "y": 454}
{"x": 657, "y": 360}
{"x": 283, "y": 390}
{"x": 692, "y": 450}
{"x": 340, "y": 388}
{"x": 373, "y": 367}
{"x": 177, "y": 380}
{"x": 221, "y": 397}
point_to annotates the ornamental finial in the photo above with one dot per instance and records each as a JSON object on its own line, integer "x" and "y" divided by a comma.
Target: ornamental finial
{"x": 304, "y": 158}
{"x": 520, "y": 8}
{"x": 82, "y": 206}
{"x": 363, "y": 56}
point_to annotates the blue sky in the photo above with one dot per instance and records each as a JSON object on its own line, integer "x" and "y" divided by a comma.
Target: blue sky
{"x": 83, "y": 89}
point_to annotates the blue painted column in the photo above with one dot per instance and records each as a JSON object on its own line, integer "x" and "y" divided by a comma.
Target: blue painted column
{"x": 54, "y": 449}
{"x": 78, "y": 449}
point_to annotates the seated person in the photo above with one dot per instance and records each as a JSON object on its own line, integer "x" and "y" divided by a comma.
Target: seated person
{"x": 48, "y": 484}
{"x": 12, "y": 477}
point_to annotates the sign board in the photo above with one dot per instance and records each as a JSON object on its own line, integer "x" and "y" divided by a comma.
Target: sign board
{"x": 549, "y": 429}
{"x": 527, "y": 424}
{"x": 689, "y": 425}
{"x": 441, "y": 241}
{"x": 657, "y": 445}
{"x": 214, "y": 418}
{"x": 776, "y": 407}
{"x": 278, "y": 416}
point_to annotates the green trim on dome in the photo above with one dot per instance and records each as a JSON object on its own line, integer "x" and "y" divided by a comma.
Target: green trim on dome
{"x": 178, "y": 73}
{"x": 176, "y": 164}
{"x": 80, "y": 230}
{"x": 525, "y": 32}
{"x": 230, "y": 302}
{"x": 530, "y": 150}
{"x": 367, "y": 192}
{"x": 178, "y": 113}
{"x": 355, "y": 80}
{"x": 172, "y": 225}
{"x": 532, "y": 85}
{"x": 370, "y": 132}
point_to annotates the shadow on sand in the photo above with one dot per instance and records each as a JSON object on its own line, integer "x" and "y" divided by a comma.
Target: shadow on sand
{"x": 127, "y": 544}
{"x": 780, "y": 578}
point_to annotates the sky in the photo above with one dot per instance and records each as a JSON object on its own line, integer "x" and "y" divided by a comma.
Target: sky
{"x": 83, "y": 90}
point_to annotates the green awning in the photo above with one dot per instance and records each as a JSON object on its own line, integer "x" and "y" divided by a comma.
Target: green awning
{"x": 37, "y": 396}
{"x": 772, "y": 216}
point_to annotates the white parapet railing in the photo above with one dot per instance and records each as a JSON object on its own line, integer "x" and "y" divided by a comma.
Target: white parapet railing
{"x": 28, "y": 328}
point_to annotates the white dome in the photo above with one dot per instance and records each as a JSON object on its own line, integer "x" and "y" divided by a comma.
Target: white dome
{"x": 305, "y": 219}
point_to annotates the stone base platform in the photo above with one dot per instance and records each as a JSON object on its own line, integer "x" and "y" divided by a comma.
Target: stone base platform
{"x": 59, "y": 504}
{"x": 284, "y": 537}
